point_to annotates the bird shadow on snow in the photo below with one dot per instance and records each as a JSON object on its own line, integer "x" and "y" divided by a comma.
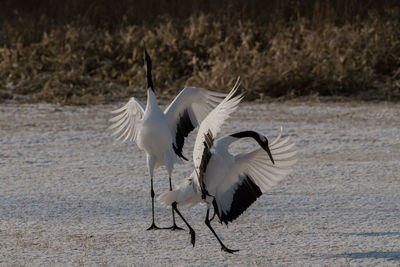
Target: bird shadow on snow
{"x": 373, "y": 234}
{"x": 389, "y": 255}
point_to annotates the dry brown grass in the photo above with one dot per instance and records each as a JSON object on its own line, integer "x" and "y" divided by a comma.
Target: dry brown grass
{"x": 80, "y": 64}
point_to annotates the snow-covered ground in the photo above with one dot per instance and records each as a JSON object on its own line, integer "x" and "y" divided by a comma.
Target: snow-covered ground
{"x": 70, "y": 195}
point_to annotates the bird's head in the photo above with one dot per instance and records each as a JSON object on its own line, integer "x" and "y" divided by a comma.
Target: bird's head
{"x": 263, "y": 142}
{"x": 260, "y": 138}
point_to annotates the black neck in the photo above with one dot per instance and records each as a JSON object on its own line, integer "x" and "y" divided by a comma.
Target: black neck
{"x": 245, "y": 134}
{"x": 256, "y": 136}
{"x": 149, "y": 65}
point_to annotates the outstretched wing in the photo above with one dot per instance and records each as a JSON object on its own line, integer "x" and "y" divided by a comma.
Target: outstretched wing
{"x": 125, "y": 124}
{"x": 187, "y": 111}
{"x": 253, "y": 174}
{"x": 214, "y": 121}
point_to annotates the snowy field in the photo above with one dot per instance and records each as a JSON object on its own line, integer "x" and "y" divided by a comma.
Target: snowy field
{"x": 71, "y": 196}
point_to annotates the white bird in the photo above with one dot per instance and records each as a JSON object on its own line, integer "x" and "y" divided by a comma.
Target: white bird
{"x": 231, "y": 183}
{"x": 160, "y": 133}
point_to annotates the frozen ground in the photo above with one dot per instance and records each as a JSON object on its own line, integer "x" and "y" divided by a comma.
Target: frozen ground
{"x": 69, "y": 195}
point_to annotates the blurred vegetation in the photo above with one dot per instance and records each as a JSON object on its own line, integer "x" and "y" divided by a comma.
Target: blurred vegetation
{"x": 80, "y": 52}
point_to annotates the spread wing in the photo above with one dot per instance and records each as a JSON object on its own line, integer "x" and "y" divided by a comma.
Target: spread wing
{"x": 252, "y": 175}
{"x": 187, "y": 111}
{"x": 125, "y": 124}
{"x": 214, "y": 121}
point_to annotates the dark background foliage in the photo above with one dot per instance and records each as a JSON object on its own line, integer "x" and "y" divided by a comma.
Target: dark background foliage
{"x": 79, "y": 52}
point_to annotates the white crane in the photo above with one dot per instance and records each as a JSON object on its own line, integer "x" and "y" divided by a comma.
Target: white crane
{"x": 160, "y": 133}
{"x": 231, "y": 183}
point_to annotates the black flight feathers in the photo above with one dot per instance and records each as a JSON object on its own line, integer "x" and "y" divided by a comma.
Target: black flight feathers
{"x": 245, "y": 194}
{"x": 183, "y": 128}
{"x": 206, "y": 156}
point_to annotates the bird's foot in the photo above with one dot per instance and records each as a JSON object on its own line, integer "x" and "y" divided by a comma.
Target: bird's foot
{"x": 153, "y": 227}
{"x": 174, "y": 227}
{"x": 229, "y": 250}
{"x": 192, "y": 237}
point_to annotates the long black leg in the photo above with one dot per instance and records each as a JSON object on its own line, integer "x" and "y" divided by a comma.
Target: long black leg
{"x": 174, "y": 226}
{"x": 223, "y": 247}
{"x": 192, "y": 233}
{"x": 153, "y": 226}
{"x": 212, "y": 218}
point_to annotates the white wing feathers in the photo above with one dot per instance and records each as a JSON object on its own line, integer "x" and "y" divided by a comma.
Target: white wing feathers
{"x": 258, "y": 167}
{"x": 214, "y": 121}
{"x": 198, "y": 100}
{"x": 125, "y": 124}
{"x": 188, "y": 110}
{"x": 185, "y": 194}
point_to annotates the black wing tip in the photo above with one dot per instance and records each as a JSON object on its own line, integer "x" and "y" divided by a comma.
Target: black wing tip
{"x": 245, "y": 195}
{"x": 183, "y": 128}
{"x": 179, "y": 153}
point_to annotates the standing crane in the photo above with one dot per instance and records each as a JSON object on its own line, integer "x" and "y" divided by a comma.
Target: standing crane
{"x": 161, "y": 134}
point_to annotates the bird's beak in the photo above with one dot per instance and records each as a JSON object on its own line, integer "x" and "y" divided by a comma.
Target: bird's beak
{"x": 266, "y": 148}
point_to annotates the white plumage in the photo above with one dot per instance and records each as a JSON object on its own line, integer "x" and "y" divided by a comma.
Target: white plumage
{"x": 188, "y": 190}
{"x": 160, "y": 133}
{"x": 255, "y": 166}
{"x": 231, "y": 183}
{"x": 256, "y": 163}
